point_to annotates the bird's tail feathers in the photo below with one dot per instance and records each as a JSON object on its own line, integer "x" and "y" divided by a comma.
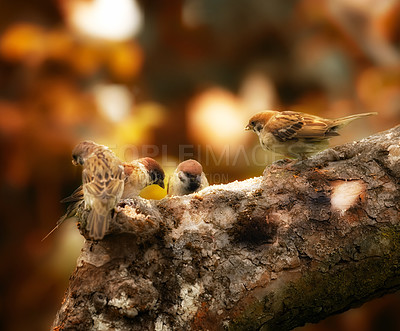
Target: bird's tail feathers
{"x": 340, "y": 122}
{"x": 97, "y": 224}
{"x": 71, "y": 212}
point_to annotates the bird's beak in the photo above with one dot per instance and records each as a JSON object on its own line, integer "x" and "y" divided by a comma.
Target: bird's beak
{"x": 248, "y": 127}
{"x": 160, "y": 182}
{"x": 196, "y": 179}
{"x": 74, "y": 163}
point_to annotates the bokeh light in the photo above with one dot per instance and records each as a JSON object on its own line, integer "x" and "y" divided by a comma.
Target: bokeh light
{"x": 216, "y": 117}
{"x": 258, "y": 92}
{"x": 23, "y": 42}
{"x": 105, "y": 19}
{"x": 114, "y": 101}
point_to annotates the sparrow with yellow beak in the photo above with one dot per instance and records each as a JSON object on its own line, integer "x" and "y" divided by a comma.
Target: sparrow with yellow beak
{"x": 294, "y": 134}
{"x": 140, "y": 174}
{"x": 187, "y": 178}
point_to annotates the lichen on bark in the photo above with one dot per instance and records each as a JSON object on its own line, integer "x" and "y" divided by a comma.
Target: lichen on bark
{"x": 304, "y": 241}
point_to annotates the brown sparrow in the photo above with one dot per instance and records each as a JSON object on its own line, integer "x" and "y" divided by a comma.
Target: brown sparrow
{"x": 294, "y": 134}
{"x": 102, "y": 183}
{"x": 141, "y": 173}
{"x": 137, "y": 175}
{"x": 187, "y": 178}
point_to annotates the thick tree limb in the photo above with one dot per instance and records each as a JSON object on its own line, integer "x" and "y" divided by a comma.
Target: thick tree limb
{"x": 302, "y": 242}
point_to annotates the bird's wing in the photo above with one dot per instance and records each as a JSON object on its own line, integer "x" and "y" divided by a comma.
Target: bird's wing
{"x": 292, "y": 125}
{"x": 75, "y": 196}
{"x": 316, "y": 128}
{"x": 104, "y": 181}
{"x": 91, "y": 185}
{"x": 285, "y": 125}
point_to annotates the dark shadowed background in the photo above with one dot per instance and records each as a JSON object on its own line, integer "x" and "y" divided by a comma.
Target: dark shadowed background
{"x": 172, "y": 80}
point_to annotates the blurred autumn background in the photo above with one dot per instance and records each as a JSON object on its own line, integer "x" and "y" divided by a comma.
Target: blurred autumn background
{"x": 172, "y": 80}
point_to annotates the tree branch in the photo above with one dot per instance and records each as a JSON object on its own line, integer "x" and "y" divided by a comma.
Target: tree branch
{"x": 304, "y": 241}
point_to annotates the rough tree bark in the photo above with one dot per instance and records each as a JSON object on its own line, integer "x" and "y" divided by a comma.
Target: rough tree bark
{"x": 304, "y": 241}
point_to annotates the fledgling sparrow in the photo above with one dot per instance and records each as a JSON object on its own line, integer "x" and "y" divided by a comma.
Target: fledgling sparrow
{"x": 187, "y": 178}
{"x": 102, "y": 183}
{"x": 294, "y": 134}
{"x": 138, "y": 174}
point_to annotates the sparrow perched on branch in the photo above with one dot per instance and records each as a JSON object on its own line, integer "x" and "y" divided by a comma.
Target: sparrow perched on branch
{"x": 102, "y": 183}
{"x": 187, "y": 178}
{"x": 138, "y": 174}
{"x": 294, "y": 134}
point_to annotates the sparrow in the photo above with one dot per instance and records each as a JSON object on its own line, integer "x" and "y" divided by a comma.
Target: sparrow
{"x": 187, "y": 178}
{"x": 138, "y": 174}
{"x": 294, "y": 134}
{"x": 102, "y": 184}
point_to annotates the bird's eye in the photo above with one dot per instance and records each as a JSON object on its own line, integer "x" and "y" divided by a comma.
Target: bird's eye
{"x": 182, "y": 176}
{"x": 77, "y": 159}
{"x": 253, "y": 123}
{"x": 258, "y": 127}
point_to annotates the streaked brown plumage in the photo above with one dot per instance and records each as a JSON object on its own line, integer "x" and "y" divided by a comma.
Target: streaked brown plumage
{"x": 102, "y": 183}
{"x": 294, "y": 134}
{"x": 187, "y": 178}
{"x": 138, "y": 174}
